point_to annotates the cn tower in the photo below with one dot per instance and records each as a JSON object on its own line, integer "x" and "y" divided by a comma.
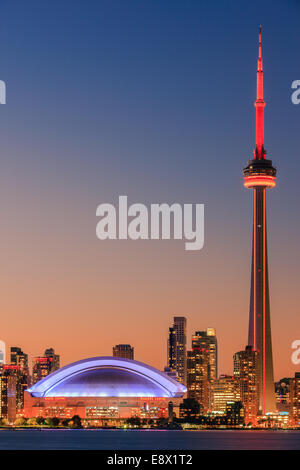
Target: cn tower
{"x": 260, "y": 175}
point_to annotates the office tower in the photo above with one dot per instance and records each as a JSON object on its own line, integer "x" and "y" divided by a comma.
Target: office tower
{"x": 53, "y": 358}
{"x": 260, "y": 175}
{"x": 180, "y": 329}
{"x": 235, "y": 413}
{"x": 2, "y": 352}
{"x": 177, "y": 348}
{"x": 208, "y": 340}
{"x": 20, "y": 378}
{"x": 41, "y": 367}
{"x": 246, "y": 371}
{"x": 282, "y": 393}
{"x": 8, "y": 397}
{"x": 123, "y": 350}
{"x": 190, "y": 409}
{"x": 223, "y": 390}
{"x": 197, "y": 377}
{"x": 171, "y": 413}
{"x": 16, "y": 380}
{"x": 295, "y": 400}
{"x": 18, "y": 358}
{"x": 44, "y": 365}
{"x": 171, "y": 353}
{"x": 3, "y": 396}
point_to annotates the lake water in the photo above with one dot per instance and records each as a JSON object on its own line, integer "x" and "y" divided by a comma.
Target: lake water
{"x": 147, "y": 439}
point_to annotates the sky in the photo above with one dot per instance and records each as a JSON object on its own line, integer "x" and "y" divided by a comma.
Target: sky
{"x": 154, "y": 100}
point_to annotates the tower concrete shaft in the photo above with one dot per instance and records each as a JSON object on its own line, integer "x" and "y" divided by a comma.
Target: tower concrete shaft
{"x": 260, "y": 175}
{"x": 259, "y": 318}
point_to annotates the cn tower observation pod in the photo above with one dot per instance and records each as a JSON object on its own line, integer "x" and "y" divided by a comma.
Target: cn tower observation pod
{"x": 107, "y": 377}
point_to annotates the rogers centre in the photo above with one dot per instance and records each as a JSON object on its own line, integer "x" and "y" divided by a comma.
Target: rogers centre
{"x": 104, "y": 388}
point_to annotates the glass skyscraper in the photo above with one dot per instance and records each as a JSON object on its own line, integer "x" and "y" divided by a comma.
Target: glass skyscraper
{"x": 177, "y": 348}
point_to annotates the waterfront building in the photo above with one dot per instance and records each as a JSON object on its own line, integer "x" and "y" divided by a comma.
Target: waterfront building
{"x": 207, "y": 339}
{"x": 177, "y": 348}
{"x": 295, "y": 400}
{"x": 171, "y": 351}
{"x": 277, "y": 420}
{"x": 246, "y": 371}
{"x": 123, "y": 350}
{"x": 197, "y": 377}
{"x": 8, "y": 406}
{"x": 45, "y": 365}
{"x": 282, "y": 393}
{"x": 20, "y": 380}
{"x": 235, "y": 413}
{"x": 224, "y": 390}
{"x": 19, "y": 358}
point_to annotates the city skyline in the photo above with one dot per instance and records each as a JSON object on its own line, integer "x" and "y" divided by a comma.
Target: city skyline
{"x": 213, "y": 397}
{"x": 168, "y": 130}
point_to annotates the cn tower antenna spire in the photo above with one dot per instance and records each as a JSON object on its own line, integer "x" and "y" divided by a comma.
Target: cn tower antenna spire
{"x": 259, "y": 152}
{"x": 259, "y": 44}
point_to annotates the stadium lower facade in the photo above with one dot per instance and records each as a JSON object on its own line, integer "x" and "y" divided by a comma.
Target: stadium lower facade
{"x": 104, "y": 389}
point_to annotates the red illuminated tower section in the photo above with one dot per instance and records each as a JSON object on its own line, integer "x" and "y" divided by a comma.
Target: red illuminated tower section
{"x": 260, "y": 175}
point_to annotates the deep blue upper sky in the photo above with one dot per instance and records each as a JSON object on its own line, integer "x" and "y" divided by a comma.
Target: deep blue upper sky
{"x": 162, "y": 89}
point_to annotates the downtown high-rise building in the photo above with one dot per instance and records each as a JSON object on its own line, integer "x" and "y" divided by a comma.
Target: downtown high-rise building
{"x": 197, "y": 377}
{"x": 18, "y": 368}
{"x": 8, "y": 393}
{"x": 260, "y": 175}
{"x": 176, "y": 348}
{"x": 207, "y": 339}
{"x": 171, "y": 350}
{"x": 45, "y": 365}
{"x": 224, "y": 390}
{"x": 246, "y": 367}
{"x": 19, "y": 358}
{"x": 17, "y": 382}
{"x": 295, "y": 400}
{"x": 14, "y": 380}
{"x": 282, "y": 394}
{"x": 2, "y": 352}
{"x": 53, "y": 358}
{"x": 123, "y": 350}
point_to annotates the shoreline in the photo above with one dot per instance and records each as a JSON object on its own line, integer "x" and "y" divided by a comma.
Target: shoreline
{"x": 45, "y": 428}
